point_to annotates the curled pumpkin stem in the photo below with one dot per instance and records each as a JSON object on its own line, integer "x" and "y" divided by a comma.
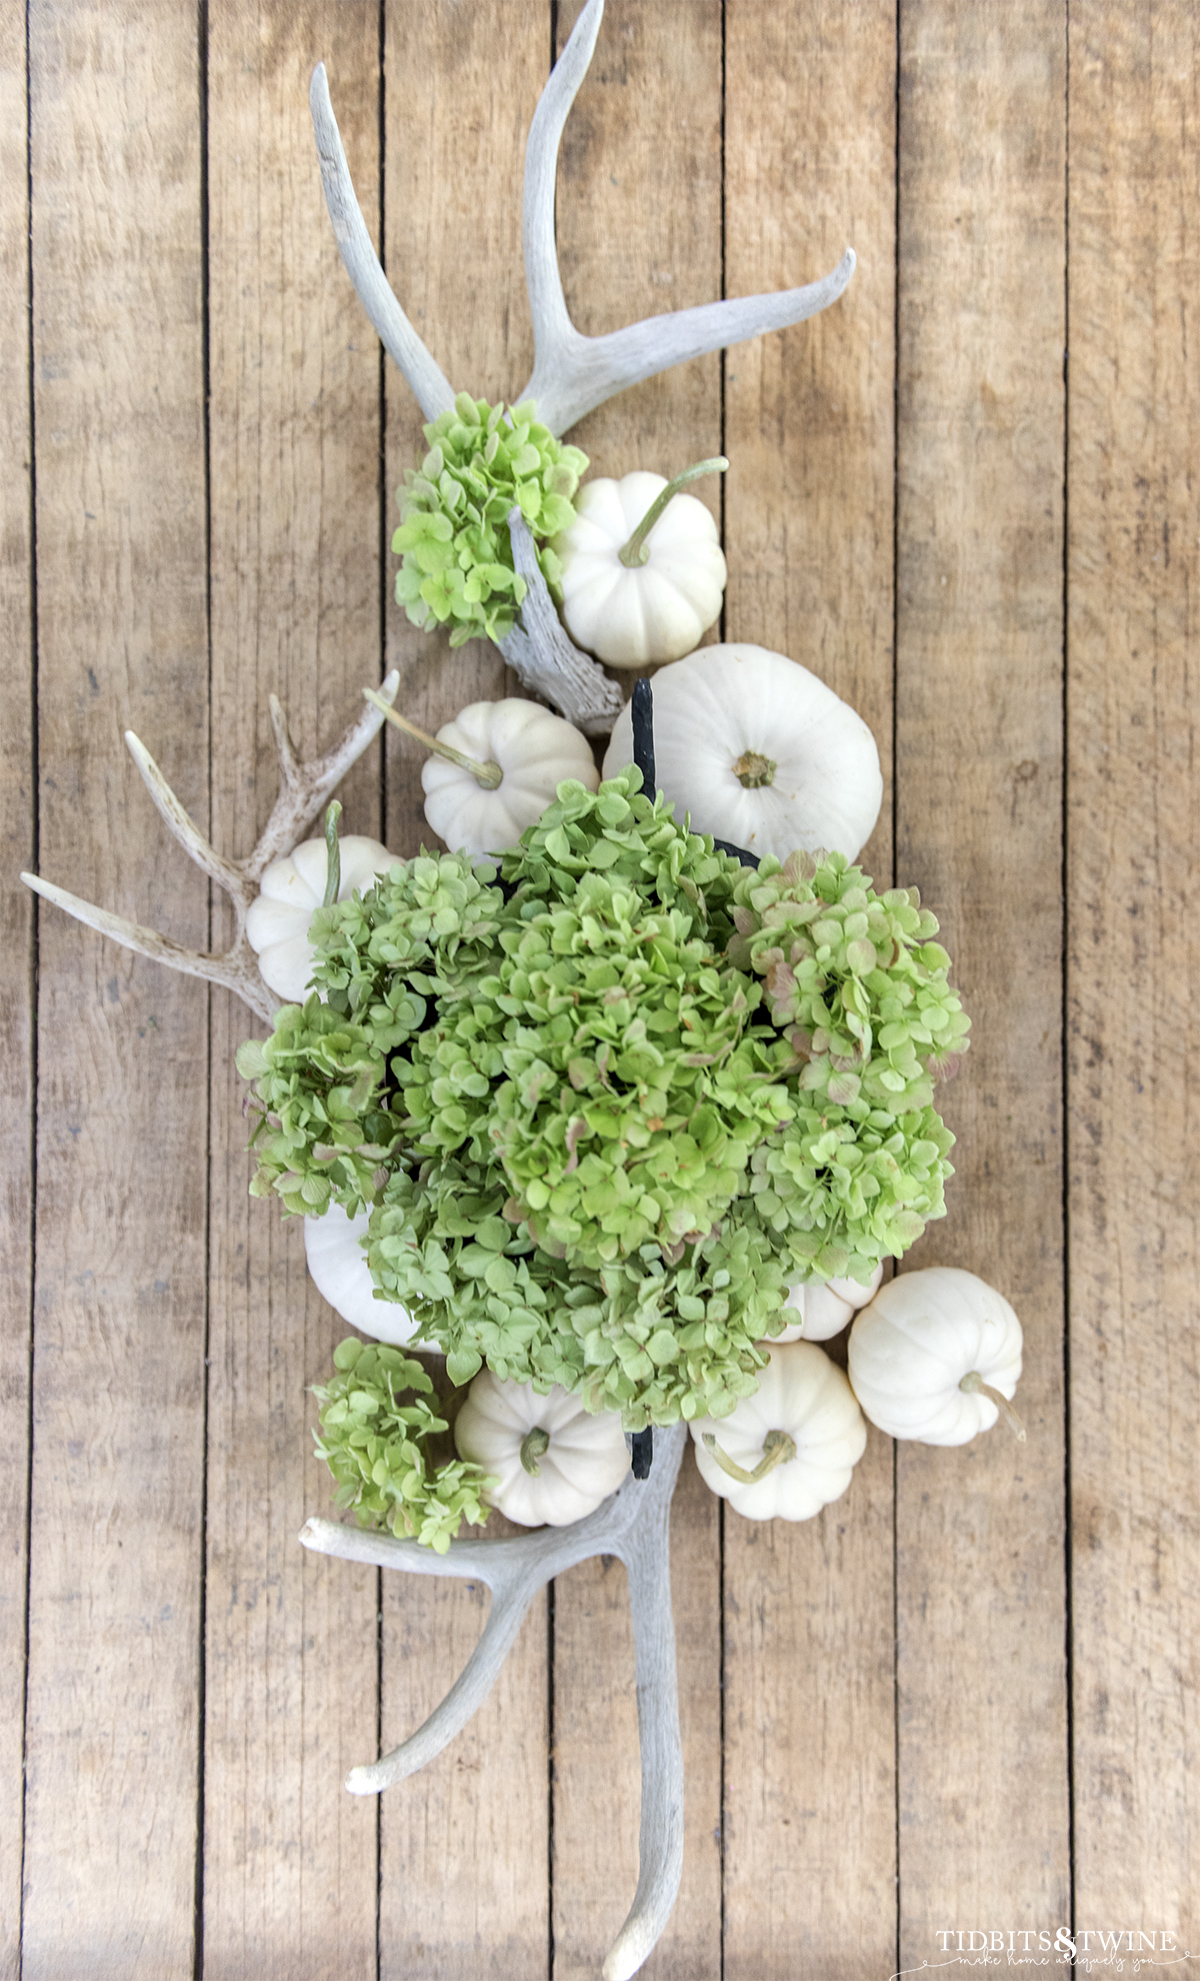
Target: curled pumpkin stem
{"x": 534, "y": 1446}
{"x": 974, "y": 1385}
{"x": 637, "y": 552}
{"x": 778, "y": 1449}
{"x": 488, "y": 775}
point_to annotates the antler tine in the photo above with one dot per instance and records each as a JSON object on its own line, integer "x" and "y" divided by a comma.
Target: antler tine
{"x": 577, "y": 374}
{"x": 551, "y": 324}
{"x": 573, "y": 374}
{"x": 633, "y": 1524}
{"x": 232, "y": 972}
{"x": 429, "y": 383}
{"x": 513, "y": 1570}
{"x": 304, "y": 790}
{"x": 179, "y": 823}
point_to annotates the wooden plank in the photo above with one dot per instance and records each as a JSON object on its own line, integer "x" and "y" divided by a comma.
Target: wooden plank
{"x": 1133, "y": 824}
{"x": 464, "y": 1844}
{"x": 639, "y": 231}
{"x": 17, "y": 956}
{"x": 810, "y": 147}
{"x": 290, "y": 1862}
{"x": 983, "y": 1816}
{"x": 116, "y": 1544}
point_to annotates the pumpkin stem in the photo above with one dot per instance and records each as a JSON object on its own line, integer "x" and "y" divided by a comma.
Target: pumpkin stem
{"x": 489, "y": 775}
{"x": 534, "y": 1445}
{"x": 753, "y": 771}
{"x": 333, "y": 856}
{"x": 778, "y": 1449}
{"x": 974, "y": 1385}
{"x": 637, "y": 552}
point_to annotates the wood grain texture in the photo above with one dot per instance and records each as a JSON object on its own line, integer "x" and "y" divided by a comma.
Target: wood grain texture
{"x": 639, "y": 232}
{"x": 980, "y": 1531}
{"x": 809, "y": 1740}
{"x": 465, "y": 1845}
{"x": 290, "y": 1860}
{"x": 514, "y": 1856}
{"x": 1134, "y": 821}
{"x": 17, "y": 954}
{"x": 116, "y": 1538}
{"x": 465, "y": 83}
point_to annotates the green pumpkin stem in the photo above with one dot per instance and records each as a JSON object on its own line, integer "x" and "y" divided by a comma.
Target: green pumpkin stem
{"x": 489, "y": 775}
{"x": 754, "y": 771}
{"x": 636, "y": 552}
{"x": 974, "y": 1385}
{"x": 778, "y": 1449}
{"x": 333, "y": 853}
{"x": 534, "y": 1445}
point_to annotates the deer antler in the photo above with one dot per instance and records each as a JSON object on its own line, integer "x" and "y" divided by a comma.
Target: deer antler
{"x": 304, "y": 789}
{"x": 543, "y": 656}
{"x": 572, "y": 374}
{"x": 634, "y": 1524}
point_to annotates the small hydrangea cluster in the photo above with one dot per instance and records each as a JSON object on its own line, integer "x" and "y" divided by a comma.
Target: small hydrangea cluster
{"x": 605, "y": 1104}
{"x": 387, "y": 1447}
{"x": 457, "y": 566}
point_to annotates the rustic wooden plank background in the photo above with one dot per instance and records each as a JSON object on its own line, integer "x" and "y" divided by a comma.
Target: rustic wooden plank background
{"x": 965, "y": 1701}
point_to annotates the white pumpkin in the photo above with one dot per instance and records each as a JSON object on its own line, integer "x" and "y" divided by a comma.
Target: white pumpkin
{"x": 789, "y": 1449}
{"x": 338, "y": 1267}
{"x": 634, "y": 614}
{"x": 823, "y": 1310}
{"x": 759, "y": 753}
{"x": 533, "y": 750}
{"x": 936, "y": 1356}
{"x": 290, "y": 890}
{"x": 553, "y": 1462}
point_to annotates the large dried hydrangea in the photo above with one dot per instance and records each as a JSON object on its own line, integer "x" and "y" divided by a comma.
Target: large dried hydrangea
{"x": 605, "y": 1104}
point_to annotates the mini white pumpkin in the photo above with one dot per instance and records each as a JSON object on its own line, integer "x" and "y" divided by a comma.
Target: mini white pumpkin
{"x": 936, "y": 1356}
{"x": 759, "y": 753}
{"x": 531, "y": 750}
{"x": 338, "y": 1267}
{"x": 789, "y": 1449}
{"x": 290, "y": 890}
{"x": 643, "y": 573}
{"x": 825, "y": 1309}
{"x": 553, "y": 1462}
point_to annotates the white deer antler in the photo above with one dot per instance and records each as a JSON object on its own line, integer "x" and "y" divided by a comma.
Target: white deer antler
{"x": 634, "y": 1525}
{"x": 572, "y": 374}
{"x": 304, "y": 789}
{"x": 544, "y": 657}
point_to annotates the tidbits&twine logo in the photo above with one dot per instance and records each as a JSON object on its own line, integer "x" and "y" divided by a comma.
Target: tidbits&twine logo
{"x": 1127, "y": 1950}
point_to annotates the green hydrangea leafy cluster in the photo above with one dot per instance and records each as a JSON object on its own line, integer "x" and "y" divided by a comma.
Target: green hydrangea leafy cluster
{"x": 457, "y": 564}
{"x": 379, "y": 1437}
{"x": 606, "y": 1105}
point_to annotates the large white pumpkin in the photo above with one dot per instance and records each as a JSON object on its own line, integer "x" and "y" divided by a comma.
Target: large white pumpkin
{"x": 553, "y": 1463}
{"x": 923, "y": 1337}
{"x": 802, "y": 1400}
{"x": 759, "y": 752}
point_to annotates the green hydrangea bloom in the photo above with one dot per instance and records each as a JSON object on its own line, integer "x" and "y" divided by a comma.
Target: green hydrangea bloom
{"x": 379, "y": 1437}
{"x": 606, "y": 1106}
{"x": 457, "y": 564}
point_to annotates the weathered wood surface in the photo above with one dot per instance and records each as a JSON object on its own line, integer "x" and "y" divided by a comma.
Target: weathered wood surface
{"x": 965, "y": 1700}
{"x": 981, "y": 1686}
